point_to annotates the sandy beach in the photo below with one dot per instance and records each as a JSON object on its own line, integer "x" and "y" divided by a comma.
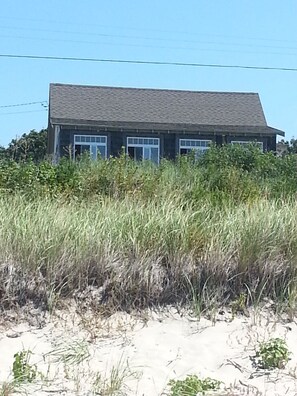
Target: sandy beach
{"x": 84, "y": 354}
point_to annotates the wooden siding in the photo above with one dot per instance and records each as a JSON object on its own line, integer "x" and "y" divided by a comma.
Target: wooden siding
{"x": 169, "y": 141}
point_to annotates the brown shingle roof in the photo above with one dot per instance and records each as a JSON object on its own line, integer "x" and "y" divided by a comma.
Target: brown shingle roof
{"x": 78, "y": 104}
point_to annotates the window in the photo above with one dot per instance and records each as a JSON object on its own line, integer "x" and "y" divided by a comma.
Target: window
{"x": 95, "y": 145}
{"x": 144, "y": 148}
{"x": 245, "y": 143}
{"x": 198, "y": 146}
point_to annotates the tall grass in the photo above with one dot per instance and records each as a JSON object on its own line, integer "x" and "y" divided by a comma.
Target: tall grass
{"x": 142, "y": 254}
{"x": 143, "y": 235}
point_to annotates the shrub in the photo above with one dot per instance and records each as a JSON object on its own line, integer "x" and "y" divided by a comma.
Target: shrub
{"x": 273, "y": 354}
{"x": 192, "y": 385}
{"x": 22, "y": 370}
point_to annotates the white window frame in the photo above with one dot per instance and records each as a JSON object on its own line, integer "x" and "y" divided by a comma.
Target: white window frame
{"x": 198, "y": 149}
{"x": 143, "y": 145}
{"x": 244, "y": 143}
{"x": 102, "y": 144}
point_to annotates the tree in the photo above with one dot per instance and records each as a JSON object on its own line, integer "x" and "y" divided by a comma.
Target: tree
{"x": 284, "y": 147}
{"x": 31, "y": 146}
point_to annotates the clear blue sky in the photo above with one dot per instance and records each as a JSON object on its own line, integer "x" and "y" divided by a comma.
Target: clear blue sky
{"x": 241, "y": 32}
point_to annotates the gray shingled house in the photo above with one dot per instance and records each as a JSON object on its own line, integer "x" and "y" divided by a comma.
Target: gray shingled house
{"x": 152, "y": 123}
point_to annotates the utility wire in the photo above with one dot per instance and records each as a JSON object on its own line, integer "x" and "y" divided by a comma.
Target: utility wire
{"x": 187, "y": 33}
{"x": 23, "y": 112}
{"x": 162, "y": 39}
{"x": 156, "y": 46}
{"x": 143, "y": 62}
{"x": 43, "y": 103}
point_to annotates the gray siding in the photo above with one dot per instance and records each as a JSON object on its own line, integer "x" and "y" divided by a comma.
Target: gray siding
{"x": 169, "y": 140}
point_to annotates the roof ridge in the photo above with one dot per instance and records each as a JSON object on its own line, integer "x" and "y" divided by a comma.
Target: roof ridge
{"x": 153, "y": 89}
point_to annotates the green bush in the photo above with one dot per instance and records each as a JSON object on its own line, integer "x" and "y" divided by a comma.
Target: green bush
{"x": 22, "y": 370}
{"x": 223, "y": 175}
{"x": 273, "y": 354}
{"x": 192, "y": 385}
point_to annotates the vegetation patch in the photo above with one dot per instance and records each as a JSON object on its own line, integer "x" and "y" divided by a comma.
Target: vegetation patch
{"x": 22, "y": 370}
{"x": 190, "y": 231}
{"x": 192, "y": 386}
{"x": 273, "y": 354}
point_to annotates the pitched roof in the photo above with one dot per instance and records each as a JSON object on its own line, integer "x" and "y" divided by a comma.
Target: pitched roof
{"x": 78, "y": 104}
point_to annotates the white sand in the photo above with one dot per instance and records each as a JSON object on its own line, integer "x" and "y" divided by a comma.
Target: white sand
{"x": 148, "y": 352}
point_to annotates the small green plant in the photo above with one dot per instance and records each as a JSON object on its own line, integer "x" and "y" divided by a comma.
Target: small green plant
{"x": 71, "y": 353}
{"x": 238, "y": 306}
{"x": 191, "y": 385}
{"x": 273, "y": 354}
{"x": 113, "y": 383}
{"x": 22, "y": 370}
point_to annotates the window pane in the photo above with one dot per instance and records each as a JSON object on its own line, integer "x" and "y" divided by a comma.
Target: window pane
{"x": 101, "y": 151}
{"x": 82, "y": 138}
{"x": 131, "y": 152}
{"x": 138, "y": 153}
{"x": 77, "y": 139}
{"x": 88, "y": 139}
{"x": 93, "y": 152}
{"x": 135, "y": 153}
{"x": 184, "y": 151}
{"x": 146, "y": 153}
{"x": 154, "y": 154}
{"x": 77, "y": 150}
{"x": 93, "y": 139}
{"x": 85, "y": 148}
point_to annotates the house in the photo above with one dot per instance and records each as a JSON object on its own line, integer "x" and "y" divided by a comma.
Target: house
{"x": 152, "y": 123}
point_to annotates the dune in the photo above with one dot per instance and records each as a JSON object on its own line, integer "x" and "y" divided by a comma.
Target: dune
{"x": 80, "y": 353}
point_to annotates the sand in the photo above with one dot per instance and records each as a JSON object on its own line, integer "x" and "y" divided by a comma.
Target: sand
{"x": 82, "y": 353}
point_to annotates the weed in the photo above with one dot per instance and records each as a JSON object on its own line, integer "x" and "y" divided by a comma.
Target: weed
{"x": 71, "y": 353}
{"x": 22, "y": 370}
{"x": 192, "y": 385}
{"x": 273, "y": 354}
{"x": 239, "y": 305}
{"x": 113, "y": 383}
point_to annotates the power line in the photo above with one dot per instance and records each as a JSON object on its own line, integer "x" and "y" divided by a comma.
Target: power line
{"x": 158, "y": 46}
{"x": 162, "y": 39}
{"x": 133, "y": 28}
{"x": 143, "y": 62}
{"x": 42, "y": 102}
{"x": 23, "y": 112}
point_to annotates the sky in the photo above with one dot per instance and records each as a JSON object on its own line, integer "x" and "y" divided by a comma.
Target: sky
{"x": 229, "y": 32}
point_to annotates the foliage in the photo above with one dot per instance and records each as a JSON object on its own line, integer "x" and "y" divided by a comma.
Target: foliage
{"x": 239, "y": 304}
{"x": 113, "y": 383}
{"x": 273, "y": 354}
{"x": 72, "y": 353}
{"x": 192, "y": 385}
{"x": 286, "y": 147}
{"x": 224, "y": 175}
{"x": 142, "y": 233}
{"x": 22, "y": 370}
{"x": 31, "y": 146}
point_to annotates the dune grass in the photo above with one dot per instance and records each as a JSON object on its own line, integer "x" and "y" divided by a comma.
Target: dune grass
{"x": 141, "y": 254}
{"x": 207, "y": 231}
